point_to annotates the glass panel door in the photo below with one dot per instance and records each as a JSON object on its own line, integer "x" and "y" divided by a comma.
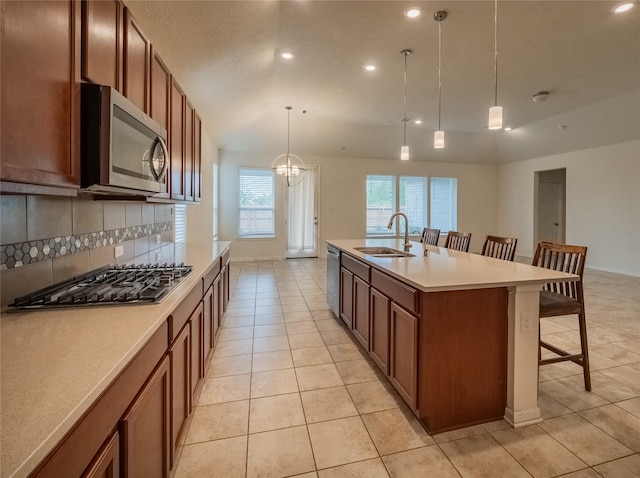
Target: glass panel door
{"x": 302, "y": 216}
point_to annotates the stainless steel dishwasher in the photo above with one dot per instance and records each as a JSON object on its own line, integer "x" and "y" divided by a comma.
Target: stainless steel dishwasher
{"x": 333, "y": 280}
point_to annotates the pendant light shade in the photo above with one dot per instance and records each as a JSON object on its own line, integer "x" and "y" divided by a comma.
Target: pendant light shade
{"x": 438, "y": 136}
{"x": 288, "y": 168}
{"x": 495, "y": 117}
{"x": 495, "y": 112}
{"x": 438, "y": 139}
{"x": 404, "y": 150}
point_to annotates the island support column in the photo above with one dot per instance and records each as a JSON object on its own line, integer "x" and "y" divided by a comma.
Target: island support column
{"x": 522, "y": 361}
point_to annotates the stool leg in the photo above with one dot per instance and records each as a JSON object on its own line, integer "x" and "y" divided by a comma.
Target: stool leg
{"x": 585, "y": 350}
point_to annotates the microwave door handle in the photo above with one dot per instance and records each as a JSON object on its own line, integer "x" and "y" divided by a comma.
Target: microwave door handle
{"x": 159, "y": 175}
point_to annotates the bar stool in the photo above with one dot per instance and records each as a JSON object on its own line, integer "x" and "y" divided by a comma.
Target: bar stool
{"x": 564, "y": 298}
{"x": 458, "y": 241}
{"x": 430, "y": 236}
{"x": 500, "y": 247}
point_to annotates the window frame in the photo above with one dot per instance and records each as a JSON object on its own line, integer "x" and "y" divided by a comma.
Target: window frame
{"x": 253, "y": 235}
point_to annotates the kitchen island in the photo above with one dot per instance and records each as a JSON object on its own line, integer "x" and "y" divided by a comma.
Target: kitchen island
{"x": 57, "y": 366}
{"x": 455, "y": 333}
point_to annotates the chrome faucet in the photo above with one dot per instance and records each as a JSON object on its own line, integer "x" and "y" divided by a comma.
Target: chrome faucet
{"x": 406, "y": 244}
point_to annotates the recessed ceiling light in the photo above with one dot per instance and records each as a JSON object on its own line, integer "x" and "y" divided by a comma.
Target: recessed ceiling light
{"x": 287, "y": 55}
{"x": 623, "y": 7}
{"x": 370, "y": 67}
{"x": 413, "y": 12}
{"x": 418, "y": 121}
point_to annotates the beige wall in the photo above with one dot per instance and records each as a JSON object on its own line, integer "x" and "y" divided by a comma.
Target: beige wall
{"x": 200, "y": 217}
{"x": 603, "y": 203}
{"x": 342, "y": 198}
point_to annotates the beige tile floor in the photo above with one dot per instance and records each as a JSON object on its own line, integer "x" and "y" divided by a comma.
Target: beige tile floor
{"x": 289, "y": 393}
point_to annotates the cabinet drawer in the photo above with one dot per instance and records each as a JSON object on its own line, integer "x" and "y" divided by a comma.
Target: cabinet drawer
{"x": 406, "y": 296}
{"x": 210, "y": 276}
{"x": 360, "y": 269}
{"x": 181, "y": 314}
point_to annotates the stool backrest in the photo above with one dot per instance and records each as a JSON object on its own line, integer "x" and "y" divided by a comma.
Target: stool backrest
{"x": 430, "y": 236}
{"x": 458, "y": 241}
{"x": 500, "y": 247}
{"x": 564, "y": 258}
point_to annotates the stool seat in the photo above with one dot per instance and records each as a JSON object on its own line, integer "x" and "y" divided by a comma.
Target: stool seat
{"x": 553, "y": 304}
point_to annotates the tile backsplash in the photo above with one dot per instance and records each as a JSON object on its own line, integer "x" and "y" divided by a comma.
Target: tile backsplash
{"x": 44, "y": 239}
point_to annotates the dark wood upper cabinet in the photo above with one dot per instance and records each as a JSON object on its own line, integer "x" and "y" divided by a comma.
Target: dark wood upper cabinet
{"x": 102, "y": 39}
{"x": 189, "y": 149}
{"x": 40, "y": 97}
{"x": 136, "y": 63}
{"x": 159, "y": 104}
{"x": 197, "y": 158}
{"x": 176, "y": 141}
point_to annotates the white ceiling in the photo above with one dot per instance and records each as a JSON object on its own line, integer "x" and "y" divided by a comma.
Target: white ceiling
{"x": 226, "y": 56}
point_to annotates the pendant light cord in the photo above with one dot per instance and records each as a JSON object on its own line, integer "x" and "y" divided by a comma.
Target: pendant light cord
{"x": 439, "y": 73}
{"x": 495, "y": 38}
{"x": 406, "y": 53}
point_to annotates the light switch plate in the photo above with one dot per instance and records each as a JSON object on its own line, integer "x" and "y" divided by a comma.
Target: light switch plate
{"x": 119, "y": 251}
{"x": 158, "y": 256}
{"x": 158, "y": 238}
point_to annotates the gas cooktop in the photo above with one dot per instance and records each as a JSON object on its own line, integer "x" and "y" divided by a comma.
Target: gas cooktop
{"x": 135, "y": 284}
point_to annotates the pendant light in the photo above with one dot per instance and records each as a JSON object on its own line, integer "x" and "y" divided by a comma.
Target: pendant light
{"x": 288, "y": 168}
{"x": 404, "y": 151}
{"x": 438, "y": 136}
{"x": 495, "y": 112}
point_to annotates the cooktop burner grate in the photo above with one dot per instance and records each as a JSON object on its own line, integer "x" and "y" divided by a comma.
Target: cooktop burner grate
{"x": 135, "y": 284}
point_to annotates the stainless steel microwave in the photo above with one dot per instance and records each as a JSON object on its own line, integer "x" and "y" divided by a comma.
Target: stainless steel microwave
{"x": 123, "y": 151}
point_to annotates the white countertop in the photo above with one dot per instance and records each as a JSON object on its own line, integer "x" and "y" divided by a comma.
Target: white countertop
{"x": 445, "y": 269}
{"x": 55, "y": 363}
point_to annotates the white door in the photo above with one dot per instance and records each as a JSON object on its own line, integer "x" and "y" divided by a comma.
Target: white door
{"x": 551, "y": 212}
{"x": 302, "y": 216}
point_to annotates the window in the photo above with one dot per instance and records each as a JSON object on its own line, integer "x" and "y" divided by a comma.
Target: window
{"x": 427, "y": 202}
{"x": 180, "y": 223}
{"x": 256, "y": 218}
{"x": 444, "y": 204}
{"x": 381, "y": 204}
{"x": 215, "y": 201}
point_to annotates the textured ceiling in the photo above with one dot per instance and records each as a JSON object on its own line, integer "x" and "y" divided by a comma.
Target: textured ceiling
{"x": 226, "y": 56}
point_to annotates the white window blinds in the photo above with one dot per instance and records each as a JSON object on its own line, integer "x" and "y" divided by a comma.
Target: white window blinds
{"x": 444, "y": 204}
{"x": 215, "y": 201}
{"x": 180, "y": 223}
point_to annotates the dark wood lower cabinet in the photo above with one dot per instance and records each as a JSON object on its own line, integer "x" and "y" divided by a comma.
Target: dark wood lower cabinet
{"x": 107, "y": 462}
{"x": 216, "y": 308}
{"x": 404, "y": 348}
{"x": 197, "y": 352}
{"x": 210, "y": 325}
{"x": 346, "y": 297}
{"x": 361, "y": 311}
{"x": 180, "y": 360}
{"x": 145, "y": 428}
{"x": 380, "y": 317}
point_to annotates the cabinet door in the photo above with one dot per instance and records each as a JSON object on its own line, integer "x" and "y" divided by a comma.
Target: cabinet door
{"x": 217, "y": 307}
{"x": 136, "y": 63}
{"x": 159, "y": 106}
{"x": 226, "y": 289}
{"x": 197, "y": 158}
{"x": 361, "y": 311}
{"x": 145, "y": 428}
{"x": 403, "y": 368}
{"x": 188, "y": 164}
{"x": 197, "y": 352}
{"x": 208, "y": 332}
{"x": 102, "y": 39}
{"x": 176, "y": 141}
{"x": 40, "y": 96}
{"x": 380, "y": 322}
{"x": 107, "y": 461}
{"x": 180, "y": 357}
{"x": 220, "y": 298}
{"x": 346, "y": 296}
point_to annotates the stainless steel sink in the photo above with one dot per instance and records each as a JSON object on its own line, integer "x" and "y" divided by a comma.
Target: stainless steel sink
{"x": 383, "y": 252}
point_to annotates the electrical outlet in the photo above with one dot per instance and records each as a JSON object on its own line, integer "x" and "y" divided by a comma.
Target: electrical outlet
{"x": 119, "y": 251}
{"x": 158, "y": 256}
{"x": 158, "y": 238}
